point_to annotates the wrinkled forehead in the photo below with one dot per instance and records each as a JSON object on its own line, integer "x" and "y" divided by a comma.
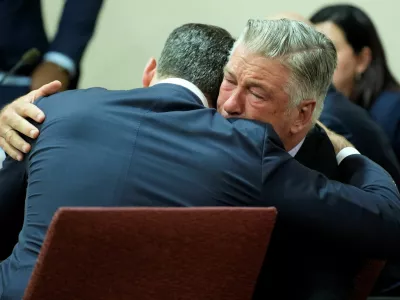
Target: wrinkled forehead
{"x": 252, "y": 68}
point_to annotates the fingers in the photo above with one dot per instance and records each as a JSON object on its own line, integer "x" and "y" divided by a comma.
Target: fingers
{"x": 10, "y": 150}
{"x": 24, "y": 127}
{"x": 24, "y": 107}
{"x": 13, "y": 116}
{"x": 13, "y": 139}
{"x": 49, "y": 89}
{"x": 25, "y": 110}
{"x": 45, "y": 90}
{"x": 12, "y": 121}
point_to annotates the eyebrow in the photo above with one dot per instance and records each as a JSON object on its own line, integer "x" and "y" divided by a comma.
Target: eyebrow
{"x": 229, "y": 72}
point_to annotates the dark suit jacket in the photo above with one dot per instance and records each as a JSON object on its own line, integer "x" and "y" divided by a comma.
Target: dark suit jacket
{"x": 160, "y": 147}
{"x": 297, "y": 269}
{"x": 13, "y": 183}
{"x": 317, "y": 153}
{"x": 353, "y": 122}
{"x": 386, "y": 112}
{"x": 22, "y": 28}
{"x": 348, "y": 119}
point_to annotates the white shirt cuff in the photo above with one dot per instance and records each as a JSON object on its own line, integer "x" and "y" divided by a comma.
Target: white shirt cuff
{"x": 345, "y": 152}
{"x": 62, "y": 60}
{"x": 2, "y": 157}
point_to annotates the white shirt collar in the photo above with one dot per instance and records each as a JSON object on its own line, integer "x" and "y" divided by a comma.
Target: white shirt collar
{"x": 190, "y": 86}
{"x": 296, "y": 149}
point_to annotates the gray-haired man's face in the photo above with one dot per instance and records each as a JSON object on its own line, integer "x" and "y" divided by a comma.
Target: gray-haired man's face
{"x": 254, "y": 88}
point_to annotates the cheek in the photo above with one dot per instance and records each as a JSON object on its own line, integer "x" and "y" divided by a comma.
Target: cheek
{"x": 282, "y": 125}
{"x": 262, "y": 111}
{"x": 276, "y": 115}
{"x": 345, "y": 67}
{"x": 222, "y": 98}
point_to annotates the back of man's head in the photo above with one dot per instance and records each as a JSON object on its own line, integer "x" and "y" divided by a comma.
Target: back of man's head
{"x": 197, "y": 53}
{"x": 309, "y": 56}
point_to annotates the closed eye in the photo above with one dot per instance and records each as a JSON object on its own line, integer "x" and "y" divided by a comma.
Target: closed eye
{"x": 258, "y": 96}
{"x": 231, "y": 81}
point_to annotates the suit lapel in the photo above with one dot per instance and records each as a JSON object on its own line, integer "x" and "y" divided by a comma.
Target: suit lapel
{"x": 317, "y": 153}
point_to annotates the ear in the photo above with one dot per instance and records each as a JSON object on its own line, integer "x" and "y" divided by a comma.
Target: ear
{"x": 149, "y": 72}
{"x": 363, "y": 60}
{"x": 304, "y": 115}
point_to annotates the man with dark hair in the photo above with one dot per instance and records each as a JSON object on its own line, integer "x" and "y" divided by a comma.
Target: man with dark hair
{"x": 201, "y": 61}
{"x": 159, "y": 146}
{"x": 201, "y": 50}
{"x": 194, "y": 52}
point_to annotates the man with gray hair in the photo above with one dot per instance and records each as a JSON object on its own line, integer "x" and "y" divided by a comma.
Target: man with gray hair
{"x": 279, "y": 72}
{"x": 163, "y": 148}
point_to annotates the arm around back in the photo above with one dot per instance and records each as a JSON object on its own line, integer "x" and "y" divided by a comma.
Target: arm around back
{"x": 361, "y": 217}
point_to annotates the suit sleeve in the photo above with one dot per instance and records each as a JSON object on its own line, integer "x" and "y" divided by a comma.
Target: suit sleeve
{"x": 76, "y": 28}
{"x": 361, "y": 217}
{"x": 396, "y": 129}
{"x": 12, "y": 200}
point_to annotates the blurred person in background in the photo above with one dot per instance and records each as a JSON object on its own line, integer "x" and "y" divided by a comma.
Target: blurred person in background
{"x": 22, "y": 29}
{"x": 362, "y": 73}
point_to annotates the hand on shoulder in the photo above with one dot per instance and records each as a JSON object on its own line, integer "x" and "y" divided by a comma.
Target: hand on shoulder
{"x": 339, "y": 142}
{"x": 13, "y": 120}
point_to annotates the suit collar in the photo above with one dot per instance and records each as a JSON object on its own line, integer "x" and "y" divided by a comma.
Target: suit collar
{"x": 296, "y": 149}
{"x": 332, "y": 89}
{"x": 317, "y": 153}
{"x": 188, "y": 85}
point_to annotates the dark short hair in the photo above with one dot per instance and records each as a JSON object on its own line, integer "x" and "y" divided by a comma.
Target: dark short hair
{"x": 197, "y": 53}
{"x": 360, "y": 32}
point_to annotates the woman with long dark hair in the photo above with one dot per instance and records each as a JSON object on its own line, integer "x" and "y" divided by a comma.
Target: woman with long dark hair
{"x": 362, "y": 73}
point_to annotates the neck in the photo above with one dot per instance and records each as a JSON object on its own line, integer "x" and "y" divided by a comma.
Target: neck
{"x": 296, "y": 138}
{"x": 293, "y": 143}
{"x": 346, "y": 90}
{"x": 185, "y": 83}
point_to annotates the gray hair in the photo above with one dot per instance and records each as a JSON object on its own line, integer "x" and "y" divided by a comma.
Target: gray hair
{"x": 309, "y": 55}
{"x": 197, "y": 53}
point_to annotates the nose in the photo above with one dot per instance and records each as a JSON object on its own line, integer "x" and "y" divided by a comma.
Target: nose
{"x": 233, "y": 106}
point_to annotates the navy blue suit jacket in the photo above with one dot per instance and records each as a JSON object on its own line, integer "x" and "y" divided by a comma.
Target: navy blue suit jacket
{"x": 354, "y": 123}
{"x": 160, "y": 147}
{"x": 296, "y": 268}
{"x": 22, "y": 28}
{"x": 386, "y": 112}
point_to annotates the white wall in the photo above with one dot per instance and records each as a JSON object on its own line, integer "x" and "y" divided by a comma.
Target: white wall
{"x": 131, "y": 31}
